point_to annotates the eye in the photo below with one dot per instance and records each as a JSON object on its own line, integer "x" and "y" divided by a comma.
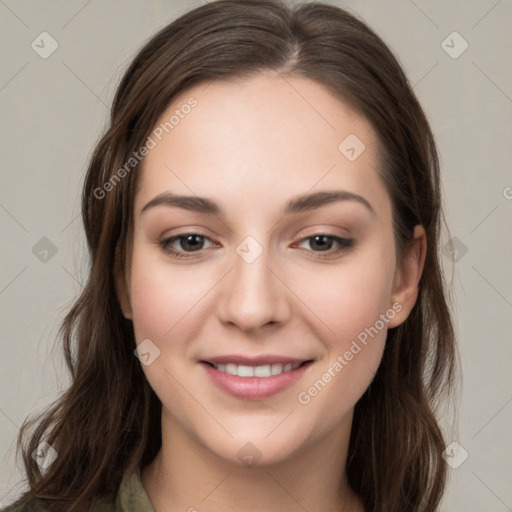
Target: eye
{"x": 187, "y": 243}
{"x": 323, "y": 243}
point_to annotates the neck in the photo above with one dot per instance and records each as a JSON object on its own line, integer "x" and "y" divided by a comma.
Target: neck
{"x": 187, "y": 476}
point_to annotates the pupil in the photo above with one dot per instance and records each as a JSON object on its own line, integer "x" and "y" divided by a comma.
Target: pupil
{"x": 324, "y": 246}
{"x": 189, "y": 240}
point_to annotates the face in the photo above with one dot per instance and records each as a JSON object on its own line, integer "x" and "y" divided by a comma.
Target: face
{"x": 267, "y": 295}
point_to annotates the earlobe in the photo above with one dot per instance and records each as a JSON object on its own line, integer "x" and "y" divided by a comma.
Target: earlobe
{"x": 408, "y": 275}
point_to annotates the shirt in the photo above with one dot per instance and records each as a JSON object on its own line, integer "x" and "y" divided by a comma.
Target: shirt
{"x": 131, "y": 497}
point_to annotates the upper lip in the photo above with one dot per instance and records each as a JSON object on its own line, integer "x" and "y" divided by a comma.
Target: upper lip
{"x": 254, "y": 361}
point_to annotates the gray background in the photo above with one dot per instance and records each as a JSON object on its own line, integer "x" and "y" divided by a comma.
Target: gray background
{"x": 54, "y": 109}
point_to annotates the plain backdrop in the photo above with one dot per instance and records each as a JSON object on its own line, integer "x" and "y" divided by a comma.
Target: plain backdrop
{"x": 458, "y": 56}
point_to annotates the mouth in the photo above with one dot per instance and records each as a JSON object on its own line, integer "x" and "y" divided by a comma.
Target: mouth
{"x": 254, "y": 378}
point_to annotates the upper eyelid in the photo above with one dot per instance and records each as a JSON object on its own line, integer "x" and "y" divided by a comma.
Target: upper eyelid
{"x": 343, "y": 242}
{"x": 174, "y": 238}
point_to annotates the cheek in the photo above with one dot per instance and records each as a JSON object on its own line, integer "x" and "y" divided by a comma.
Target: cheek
{"x": 329, "y": 396}
{"x": 163, "y": 304}
{"x": 354, "y": 353}
{"x": 350, "y": 297}
{"x": 160, "y": 297}
{"x": 154, "y": 305}
{"x": 353, "y": 303}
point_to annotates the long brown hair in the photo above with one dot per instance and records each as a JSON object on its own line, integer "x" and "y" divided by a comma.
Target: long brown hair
{"x": 108, "y": 421}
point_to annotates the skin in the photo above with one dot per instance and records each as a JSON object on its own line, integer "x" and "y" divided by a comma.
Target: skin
{"x": 251, "y": 146}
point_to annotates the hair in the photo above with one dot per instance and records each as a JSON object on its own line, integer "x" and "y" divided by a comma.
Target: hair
{"x": 107, "y": 421}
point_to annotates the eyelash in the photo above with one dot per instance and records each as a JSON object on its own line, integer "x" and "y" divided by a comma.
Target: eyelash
{"x": 344, "y": 244}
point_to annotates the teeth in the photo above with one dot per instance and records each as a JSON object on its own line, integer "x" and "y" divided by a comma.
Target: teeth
{"x": 266, "y": 370}
{"x": 230, "y": 368}
{"x": 245, "y": 371}
{"x": 276, "y": 369}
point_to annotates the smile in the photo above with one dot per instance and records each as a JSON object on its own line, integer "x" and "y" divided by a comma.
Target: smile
{"x": 266, "y": 370}
{"x": 256, "y": 379}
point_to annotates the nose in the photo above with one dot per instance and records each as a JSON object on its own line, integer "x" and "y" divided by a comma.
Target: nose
{"x": 253, "y": 294}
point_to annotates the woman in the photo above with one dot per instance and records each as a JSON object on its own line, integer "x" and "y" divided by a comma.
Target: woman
{"x": 265, "y": 324}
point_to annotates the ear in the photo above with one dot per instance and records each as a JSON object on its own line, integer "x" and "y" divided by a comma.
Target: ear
{"x": 122, "y": 291}
{"x": 407, "y": 276}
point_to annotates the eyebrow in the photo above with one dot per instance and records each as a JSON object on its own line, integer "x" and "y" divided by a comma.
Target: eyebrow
{"x": 296, "y": 205}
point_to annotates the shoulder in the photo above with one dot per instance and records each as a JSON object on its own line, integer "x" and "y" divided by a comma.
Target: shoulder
{"x": 131, "y": 497}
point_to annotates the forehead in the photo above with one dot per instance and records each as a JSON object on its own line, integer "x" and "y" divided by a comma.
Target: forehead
{"x": 265, "y": 137}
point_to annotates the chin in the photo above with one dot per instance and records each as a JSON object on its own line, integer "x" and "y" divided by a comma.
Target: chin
{"x": 257, "y": 447}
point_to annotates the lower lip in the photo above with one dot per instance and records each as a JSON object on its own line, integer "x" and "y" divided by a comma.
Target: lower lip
{"x": 254, "y": 388}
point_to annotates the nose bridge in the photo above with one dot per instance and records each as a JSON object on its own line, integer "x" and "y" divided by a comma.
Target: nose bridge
{"x": 252, "y": 295}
